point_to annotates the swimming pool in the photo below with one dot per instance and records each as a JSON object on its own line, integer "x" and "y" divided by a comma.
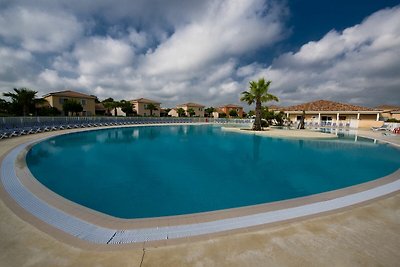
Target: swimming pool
{"x": 143, "y": 172}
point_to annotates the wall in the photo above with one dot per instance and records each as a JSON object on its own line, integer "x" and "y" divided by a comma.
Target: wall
{"x": 89, "y": 108}
{"x": 369, "y": 123}
{"x": 140, "y": 109}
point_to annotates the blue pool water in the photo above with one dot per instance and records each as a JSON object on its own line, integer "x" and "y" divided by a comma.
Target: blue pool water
{"x": 170, "y": 170}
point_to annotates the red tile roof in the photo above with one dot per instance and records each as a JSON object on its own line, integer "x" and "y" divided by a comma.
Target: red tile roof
{"x": 69, "y": 93}
{"x": 387, "y": 107}
{"x": 325, "y": 105}
{"x": 145, "y": 100}
{"x": 231, "y": 106}
{"x": 191, "y": 104}
{"x": 275, "y": 107}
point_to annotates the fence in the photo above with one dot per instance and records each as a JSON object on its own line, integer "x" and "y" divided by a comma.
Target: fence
{"x": 16, "y": 126}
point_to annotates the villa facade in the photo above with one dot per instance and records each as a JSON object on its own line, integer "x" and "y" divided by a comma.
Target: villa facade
{"x": 330, "y": 113}
{"x": 197, "y": 108}
{"x": 57, "y": 100}
{"x": 140, "y": 105}
{"x": 227, "y": 108}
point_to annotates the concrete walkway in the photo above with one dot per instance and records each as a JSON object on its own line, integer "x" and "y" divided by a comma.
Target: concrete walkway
{"x": 366, "y": 235}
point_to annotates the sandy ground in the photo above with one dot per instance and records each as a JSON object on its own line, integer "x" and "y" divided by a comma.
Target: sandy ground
{"x": 366, "y": 235}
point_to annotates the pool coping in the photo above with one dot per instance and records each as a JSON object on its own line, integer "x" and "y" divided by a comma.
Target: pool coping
{"x": 173, "y": 229}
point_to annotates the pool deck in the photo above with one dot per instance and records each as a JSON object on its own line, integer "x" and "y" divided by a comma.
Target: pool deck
{"x": 364, "y": 235}
{"x": 280, "y": 133}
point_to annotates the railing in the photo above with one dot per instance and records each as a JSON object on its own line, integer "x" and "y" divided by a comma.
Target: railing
{"x": 16, "y": 126}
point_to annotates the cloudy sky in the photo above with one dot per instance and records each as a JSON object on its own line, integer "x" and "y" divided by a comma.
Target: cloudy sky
{"x": 206, "y": 51}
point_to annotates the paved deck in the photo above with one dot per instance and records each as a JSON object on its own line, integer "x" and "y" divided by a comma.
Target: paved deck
{"x": 367, "y": 235}
{"x": 294, "y": 133}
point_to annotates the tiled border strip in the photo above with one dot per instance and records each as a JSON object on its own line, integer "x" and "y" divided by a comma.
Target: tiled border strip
{"x": 102, "y": 235}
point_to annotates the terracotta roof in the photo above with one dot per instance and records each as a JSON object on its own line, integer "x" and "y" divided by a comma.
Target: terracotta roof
{"x": 191, "y": 104}
{"x": 387, "y": 107}
{"x": 325, "y": 105}
{"x": 99, "y": 106}
{"x": 69, "y": 93}
{"x": 231, "y": 106}
{"x": 144, "y": 100}
{"x": 275, "y": 107}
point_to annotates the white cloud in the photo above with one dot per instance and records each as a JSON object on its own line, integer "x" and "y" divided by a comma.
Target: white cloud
{"x": 99, "y": 55}
{"x": 138, "y": 39}
{"x": 39, "y": 31}
{"x": 359, "y": 65}
{"x": 13, "y": 62}
{"x": 193, "y": 53}
{"x": 228, "y": 28}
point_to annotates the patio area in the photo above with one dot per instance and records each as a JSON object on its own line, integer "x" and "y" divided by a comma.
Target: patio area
{"x": 363, "y": 235}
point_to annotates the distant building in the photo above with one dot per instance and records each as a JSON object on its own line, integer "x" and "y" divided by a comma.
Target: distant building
{"x": 227, "y": 108}
{"x": 117, "y": 112}
{"x": 323, "y": 112}
{"x": 57, "y": 100}
{"x": 173, "y": 113}
{"x": 100, "y": 109}
{"x": 389, "y": 111}
{"x": 197, "y": 108}
{"x": 140, "y": 106}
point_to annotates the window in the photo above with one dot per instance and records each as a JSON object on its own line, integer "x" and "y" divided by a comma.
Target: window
{"x": 298, "y": 118}
{"x": 83, "y": 102}
{"x": 62, "y": 100}
{"x": 342, "y": 118}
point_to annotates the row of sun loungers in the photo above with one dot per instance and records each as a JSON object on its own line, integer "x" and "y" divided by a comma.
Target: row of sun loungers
{"x": 327, "y": 124}
{"x": 18, "y": 128}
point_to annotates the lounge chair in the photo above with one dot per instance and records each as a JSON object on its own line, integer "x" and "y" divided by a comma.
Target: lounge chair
{"x": 384, "y": 127}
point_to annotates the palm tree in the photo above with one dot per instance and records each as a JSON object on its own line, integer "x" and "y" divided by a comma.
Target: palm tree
{"x": 151, "y": 107}
{"x": 258, "y": 93}
{"x": 22, "y": 98}
{"x": 111, "y": 105}
{"x": 209, "y": 111}
{"x": 191, "y": 112}
{"x": 233, "y": 113}
{"x": 181, "y": 112}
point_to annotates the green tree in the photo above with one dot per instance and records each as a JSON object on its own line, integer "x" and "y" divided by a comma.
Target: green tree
{"x": 233, "y": 113}
{"x": 191, "y": 112}
{"x": 222, "y": 115}
{"x": 5, "y": 107}
{"x": 267, "y": 115}
{"x": 23, "y": 100}
{"x": 127, "y": 107}
{"x": 280, "y": 118}
{"x": 72, "y": 106}
{"x": 110, "y": 99}
{"x": 303, "y": 116}
{"x": 111, "y": 106}
{"x": 151, "y": 107}
{"x": 164, "y": 112}
{"x": 48, "y": 111}
{"x": 209, "y": 111}
{"x": 258, "y": 93}
{"x": 181, "y": 112}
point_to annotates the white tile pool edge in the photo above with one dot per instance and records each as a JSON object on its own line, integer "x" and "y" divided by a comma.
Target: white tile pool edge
{"x": 93, "y": 233}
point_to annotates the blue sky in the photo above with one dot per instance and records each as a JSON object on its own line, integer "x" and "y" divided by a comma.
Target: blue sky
{"x": 206, "y": 51}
